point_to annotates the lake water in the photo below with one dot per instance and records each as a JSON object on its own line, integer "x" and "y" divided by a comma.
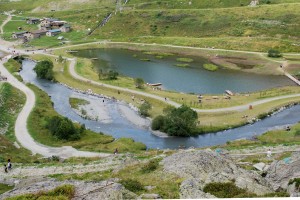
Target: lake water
{"x": 120, "y": 127}
{"x": 193, "y": 79}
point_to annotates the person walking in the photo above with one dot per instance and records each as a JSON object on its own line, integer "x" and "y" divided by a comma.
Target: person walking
{"x": 269, "y": 153}
{"x": 116, "y": 151}
{"x": 9, "y": 166}
{"x": 5, "y": 168}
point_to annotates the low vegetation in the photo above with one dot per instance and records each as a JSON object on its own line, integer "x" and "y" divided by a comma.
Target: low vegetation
{"x": 186, "y": 60}
{"x": 14, "y": 67}
{"x": 64, "y": 192}
{"x": 5, "y": 188}
{"x": 180, "y": 121}
{"x": 210, "y": 67}
{"x": 230, "y": 190}
{"x": 75, "y": 102}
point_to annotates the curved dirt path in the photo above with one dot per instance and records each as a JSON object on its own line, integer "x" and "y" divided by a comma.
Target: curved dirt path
{"x": 4, "y": 23}
{"x": 21, "y": 131}
{"x": 234, "y": 108}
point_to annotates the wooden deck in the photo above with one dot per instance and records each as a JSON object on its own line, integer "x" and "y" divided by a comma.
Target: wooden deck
{"x": 292, "y": 78}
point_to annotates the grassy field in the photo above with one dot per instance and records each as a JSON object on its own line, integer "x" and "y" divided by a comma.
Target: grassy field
{"x": 5, "y": 188}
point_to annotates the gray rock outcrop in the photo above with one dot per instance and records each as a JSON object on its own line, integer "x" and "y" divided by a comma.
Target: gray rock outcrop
{"x": 280, "y": 172}
{"x": 201, "y": 167}
{"x": 84, "y": 190}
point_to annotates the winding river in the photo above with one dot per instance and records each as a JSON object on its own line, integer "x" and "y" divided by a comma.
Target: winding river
{"x": 121, "y": 127}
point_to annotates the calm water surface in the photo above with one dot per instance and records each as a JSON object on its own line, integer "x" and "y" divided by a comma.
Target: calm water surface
{"x": 193, "y": 79}
{"x": 120, "y": 127}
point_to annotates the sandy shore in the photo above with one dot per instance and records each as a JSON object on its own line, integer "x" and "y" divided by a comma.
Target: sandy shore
{"x": 132, "y": 116}
{"x": 96, "y": 109}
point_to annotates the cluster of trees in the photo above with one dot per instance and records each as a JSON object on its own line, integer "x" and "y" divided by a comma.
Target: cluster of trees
{"x": 64, "y": 129}
{"x": 180, "y": 121}
{"x": 44, "y": 70}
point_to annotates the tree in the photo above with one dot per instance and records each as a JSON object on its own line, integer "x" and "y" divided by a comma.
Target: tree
{"x": 144, "y": 109}
{"x": 274, "y": 53}
{"x": 139, "y": 83}
{"x": 180, "y": 121}
{"x": 112, "y": 75}
{"x": 64, "y": 129}
{"x": 44, "y": 70}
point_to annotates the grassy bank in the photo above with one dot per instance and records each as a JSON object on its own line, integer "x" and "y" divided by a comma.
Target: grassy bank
{"x": 12, "y": 100}
{"x": 90, "y": 141}
{"x": 14, "y": 67}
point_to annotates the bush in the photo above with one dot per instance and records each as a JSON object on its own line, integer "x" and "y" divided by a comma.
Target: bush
{"x": 297, "y": 132}
{"x": 225, "y": 190}
{"x": 139, "y": 83}
{"x": 64, "y": 129}
{"x": 150, "y": 166}
{"x": 274, "y": 53}
{"x": 158, "y": 123}
{"x": 144, "y": 109}
{"x": 112, "y": 75}
{"x": 132, "y": 185}
{"x": 44, "y": 70}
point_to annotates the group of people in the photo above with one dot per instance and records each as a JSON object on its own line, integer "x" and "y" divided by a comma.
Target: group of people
{"x": 8, "y": 167}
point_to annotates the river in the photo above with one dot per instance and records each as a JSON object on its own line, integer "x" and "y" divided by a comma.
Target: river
{"x": 120, "y": 127}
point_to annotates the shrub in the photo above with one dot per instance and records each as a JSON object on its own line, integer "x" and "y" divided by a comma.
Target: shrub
{"x": 112, "y": 75}
{"x": 274, "y": 53}
{"x": 150, "y": 166}
{"x": 297, "y": 132}
{"x": 63, "y": 128}
{"x": 139, "y": 83}
{"x": 224, "y": 190}
{"x": 295, "y": 180}
{"x": 44, "y": 70}
{"x": 158, "y": 123}
{"x": 132, "y": 185}
{"x": 144, "y": 109}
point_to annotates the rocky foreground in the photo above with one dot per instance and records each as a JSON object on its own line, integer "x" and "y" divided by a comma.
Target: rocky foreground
{"x": 197, "y": 168}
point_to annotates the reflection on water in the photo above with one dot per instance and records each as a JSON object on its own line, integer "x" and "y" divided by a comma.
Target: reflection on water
{"x": 120, "y": 127}
{"x": 193, "y": 79}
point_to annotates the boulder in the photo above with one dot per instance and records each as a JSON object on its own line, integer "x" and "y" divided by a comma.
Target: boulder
{"x": 149, "y": 196}
{"x": 280, "y": 172}
{"x": 259, "y": 166}
{"x": 201, "y": 167}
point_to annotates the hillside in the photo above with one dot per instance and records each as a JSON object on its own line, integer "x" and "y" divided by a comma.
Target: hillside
{"x": 219, "y": 24}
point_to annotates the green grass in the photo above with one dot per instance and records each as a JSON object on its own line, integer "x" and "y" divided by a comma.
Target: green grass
{"x": 12, "y": 100}
{"x": 63, "y": 192}
{"x": 210, "y": 67}
{"x": 90, "y": 141}
{"x": 12, "y": 26}
{"x": 14, "y": 67}
{"x": 75, "y": 102}
{"x": 5, "y": 188}
{"x": 186, "y": 60}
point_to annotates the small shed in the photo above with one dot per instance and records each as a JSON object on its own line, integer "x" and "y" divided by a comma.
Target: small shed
{"x": 53, "y": 32}
{"x": 33, "y": 21}
{"x": 18, "y": 35}
{"x": 35, "y": 34}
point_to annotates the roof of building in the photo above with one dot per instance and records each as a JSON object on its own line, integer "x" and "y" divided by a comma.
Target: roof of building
{"x": 38, "y": 31}
{"x": 54, "y": 31}
{"x": 67, "y": 26}
{"x": 20, "y": 33}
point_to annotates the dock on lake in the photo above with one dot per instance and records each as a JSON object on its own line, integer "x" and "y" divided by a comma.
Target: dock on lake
{"x": 292, "y": 78}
